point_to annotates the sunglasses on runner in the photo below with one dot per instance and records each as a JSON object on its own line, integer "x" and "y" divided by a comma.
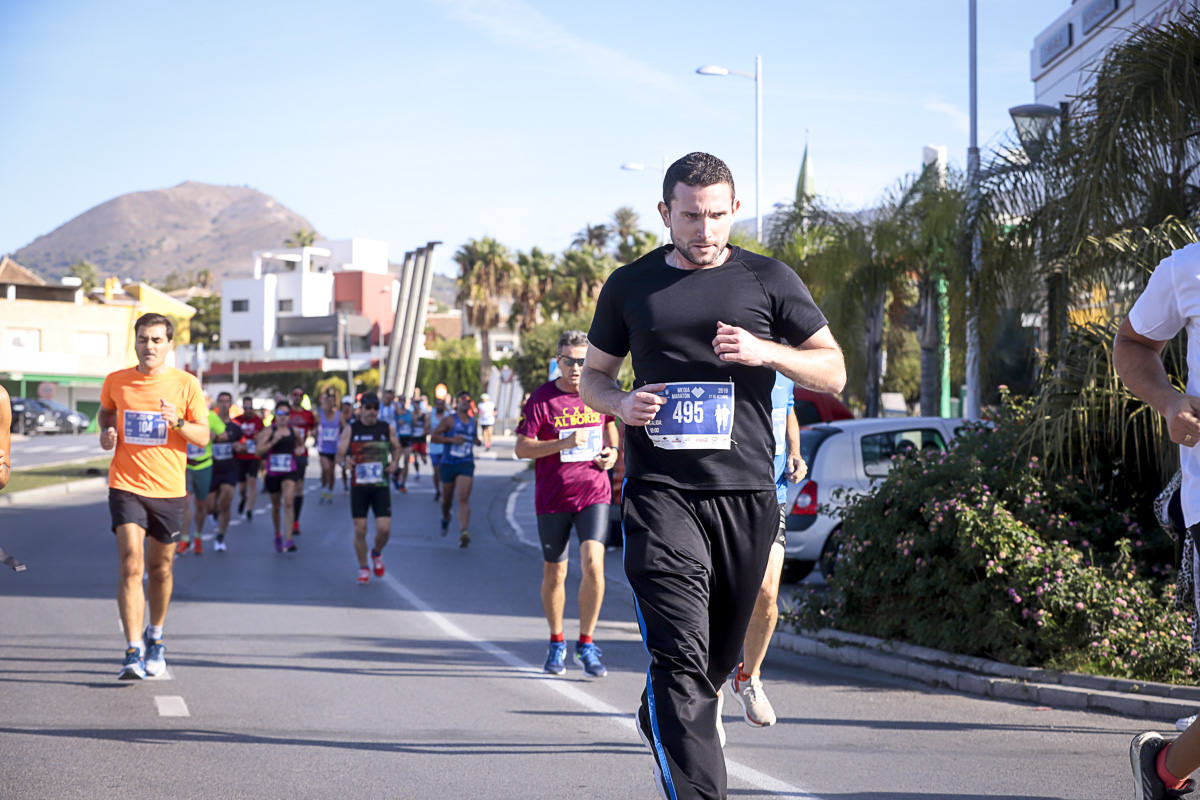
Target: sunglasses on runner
{"x": 571, "y": 362}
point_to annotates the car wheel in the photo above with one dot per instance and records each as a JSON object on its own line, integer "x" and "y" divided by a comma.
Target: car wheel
{"x": 831, "y": 551}
{"x": 795, "y": 570}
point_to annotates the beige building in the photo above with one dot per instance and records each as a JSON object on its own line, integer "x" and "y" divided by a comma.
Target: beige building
{"x": 57, "y": 343}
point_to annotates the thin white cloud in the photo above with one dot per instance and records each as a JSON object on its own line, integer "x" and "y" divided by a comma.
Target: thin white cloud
{"x": 518, "y": 23}
{"x": 960, "y": 118}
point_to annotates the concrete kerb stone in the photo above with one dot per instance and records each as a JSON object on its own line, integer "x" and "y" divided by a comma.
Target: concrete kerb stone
{"x": 978, "y": 676}
{"x": 53, "y": 490}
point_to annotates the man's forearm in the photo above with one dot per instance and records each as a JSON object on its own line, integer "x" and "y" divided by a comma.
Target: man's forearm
{"x": 600, "y": 391}
{"x": 196, "y": 433}
{"x": 540, "y": 448}
{"x": 1141, "y": 369}
{"x": 822, "y": 369}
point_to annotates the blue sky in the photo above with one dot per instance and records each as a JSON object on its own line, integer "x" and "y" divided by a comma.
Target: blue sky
{"x": 414, "y": 120}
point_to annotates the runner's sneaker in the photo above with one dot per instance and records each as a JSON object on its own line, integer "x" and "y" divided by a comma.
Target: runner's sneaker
{"x": 249, "y": 515}
{"x": 241, "y": 503}
{"x": 290, "y": 546}
{"x": 182, "y": 547}
{"x": 296, "y": 528}
{"x": 403, "y": 489}
{"x": 464, "y": 539}
{"x": 377, "y": 565}
{"x": 1183, "y": 723}
{"x": 134, "y": 668}
{"x": 1143, "y": 757}
{"x": 753, "y": 699}
{"x": 656, "y": 770}
{"x": 156, "y": 661}
{"x": 198, "y": 547}
{"x": 219, "y": 545}
{"x": 588, "y": 655}
{"x": 364, "y": 576}
{"x": 556, "y": 658}
{"x": 720, "y": 713}
{"x": 278, "y": 543}
{"x": 445, "y": 525}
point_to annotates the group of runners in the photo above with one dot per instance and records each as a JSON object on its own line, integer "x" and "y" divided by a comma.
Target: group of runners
{"x": 717, "y": 335}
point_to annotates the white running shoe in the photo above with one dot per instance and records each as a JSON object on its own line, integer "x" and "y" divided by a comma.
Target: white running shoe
{"x": 754, "y": 702}
{"x": 720, "y": 711}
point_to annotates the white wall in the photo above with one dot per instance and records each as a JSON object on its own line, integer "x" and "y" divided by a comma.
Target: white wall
{"x": 256, "y": 325}
{"x": 363, "y": 255}
{"x": 1069, "y": 74}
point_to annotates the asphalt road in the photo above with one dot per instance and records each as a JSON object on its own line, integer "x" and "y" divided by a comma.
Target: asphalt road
{"x": 288, "y": 680}
{"x": 33, "y": 451}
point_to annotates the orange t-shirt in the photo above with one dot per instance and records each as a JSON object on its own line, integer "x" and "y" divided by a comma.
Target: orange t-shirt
{"x": 149, "y": 459}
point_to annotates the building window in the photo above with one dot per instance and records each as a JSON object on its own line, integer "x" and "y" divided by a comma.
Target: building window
{"x": 285, "y": 305}
{"x": 25, "y": 340}
{"x": 239, "y": 344}
{"x": 238, "y": 306}
{"x": 347, "y": 306}
{"x": 91, "y": 344}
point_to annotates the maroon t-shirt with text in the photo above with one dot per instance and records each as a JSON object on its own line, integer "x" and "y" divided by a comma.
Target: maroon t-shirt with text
{"x": 571, "y": 486}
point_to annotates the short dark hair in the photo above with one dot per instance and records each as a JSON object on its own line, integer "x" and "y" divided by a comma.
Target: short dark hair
{"x": 225, "y": 394}
{"x": 283, "y": 404}
{"x": 572, "y": 338}
{"x": 150, "y": 320}
{"x": 696, "y": 169}
{"x": 369, "y": 399}
{"x": 298, "y": 386}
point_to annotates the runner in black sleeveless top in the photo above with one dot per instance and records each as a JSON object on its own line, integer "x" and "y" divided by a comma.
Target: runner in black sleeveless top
{"x": 369, "y": 447}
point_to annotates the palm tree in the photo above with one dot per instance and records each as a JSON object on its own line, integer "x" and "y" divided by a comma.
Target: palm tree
{"x": 301, "y": 238}
{"x": 592, "y": 237}
{"x": 532, "y": 284}
{"x": 486, "y": 271}
{"x": 580, "y": 275}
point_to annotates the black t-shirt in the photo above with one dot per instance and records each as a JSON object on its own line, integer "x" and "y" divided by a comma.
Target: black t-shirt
{"x": 667, "y": 318}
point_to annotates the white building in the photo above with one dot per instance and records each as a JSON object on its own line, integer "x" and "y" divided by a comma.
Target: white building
{"x": 292, "y": 283}
{"x": 1066, "y": 52}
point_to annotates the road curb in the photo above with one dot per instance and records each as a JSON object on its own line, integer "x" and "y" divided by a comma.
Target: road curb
{"x": 978, "y": 676}
{"x": 53, "y": 490}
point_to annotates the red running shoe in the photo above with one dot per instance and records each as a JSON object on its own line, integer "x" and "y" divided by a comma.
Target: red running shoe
{"x": 364, "y": 576}
{"x": 377, "y": 563}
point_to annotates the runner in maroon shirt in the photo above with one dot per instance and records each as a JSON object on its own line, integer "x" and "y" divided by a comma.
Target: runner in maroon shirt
{"x": 573, "y": 447}
{"x": 249, "y": 463}
{"x": 305, "y": 423}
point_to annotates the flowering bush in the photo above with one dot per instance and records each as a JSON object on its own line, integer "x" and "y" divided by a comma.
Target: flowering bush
{"x": 972, "y": 552}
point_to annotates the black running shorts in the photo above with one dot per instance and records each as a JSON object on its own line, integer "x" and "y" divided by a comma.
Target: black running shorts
{"x": 375, "y": 498}
{"x": 248, "y": 468}
{"x": 159, "y": 517}
{"x": 225, "y": 473}
{"x": 554, "y": 530}
{"x": 781, "y": 534}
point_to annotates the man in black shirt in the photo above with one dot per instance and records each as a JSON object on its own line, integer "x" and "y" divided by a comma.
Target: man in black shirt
{"x": 707, "y": 325}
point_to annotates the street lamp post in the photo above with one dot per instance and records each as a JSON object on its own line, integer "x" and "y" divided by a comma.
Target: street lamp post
{"x": 710, "y": 69}
{"x": 972, "y": 406}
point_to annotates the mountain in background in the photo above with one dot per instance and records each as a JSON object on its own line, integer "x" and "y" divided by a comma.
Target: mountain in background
{"x": 151, "y": 235}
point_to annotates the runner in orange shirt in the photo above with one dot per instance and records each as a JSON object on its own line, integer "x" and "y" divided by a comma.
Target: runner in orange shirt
{"x": 148, "y": 416}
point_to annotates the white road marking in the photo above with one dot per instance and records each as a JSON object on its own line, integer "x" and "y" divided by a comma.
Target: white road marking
{"x": 171, "y": 705}
{"x": 621, "y": 717}
{"x": 510, "y": 513}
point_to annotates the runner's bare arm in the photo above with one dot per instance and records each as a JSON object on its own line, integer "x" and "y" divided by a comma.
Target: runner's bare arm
{"x": 343, "y": 446}
{"x": 598, "y": 388}
{"x": 106, "y": 420}
{"x": 196, "y": 433}
{"x": 796, "y": 468}
{"x": 438, "y": 436}
{"x": 1138, "y": 361}
{"x": 397, "y": 450}
{"x": 540, "y": 448}
{"x": 607, "y": 457}
{"x": 5, "y": 438}
{"x": 816, "y": 364}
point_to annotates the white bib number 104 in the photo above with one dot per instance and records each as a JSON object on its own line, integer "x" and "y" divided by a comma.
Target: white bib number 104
{"x": 688, "y": 411}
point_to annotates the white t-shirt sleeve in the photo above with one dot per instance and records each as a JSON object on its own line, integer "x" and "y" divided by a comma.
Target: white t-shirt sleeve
{"x": 1156, "y": 314}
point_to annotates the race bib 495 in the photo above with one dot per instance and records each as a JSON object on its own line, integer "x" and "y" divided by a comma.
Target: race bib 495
{"x": 696, "y": 416}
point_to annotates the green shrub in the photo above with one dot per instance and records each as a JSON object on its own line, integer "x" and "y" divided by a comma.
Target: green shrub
{"x": 972, "y": 552}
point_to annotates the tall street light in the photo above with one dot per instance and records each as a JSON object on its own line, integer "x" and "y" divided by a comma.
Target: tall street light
{"x": 637, "y": 166}
{"x": 709, "y": 69}
{"x": 972, "y": 405}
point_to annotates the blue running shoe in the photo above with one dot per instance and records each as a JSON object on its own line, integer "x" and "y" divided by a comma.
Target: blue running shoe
{"x": 134, "y": 668}
{"x": 156, "y": 657}
{"x": 589, "y": 656}
{"x": 556, "y": 658}
{"x": 445, "y": 525}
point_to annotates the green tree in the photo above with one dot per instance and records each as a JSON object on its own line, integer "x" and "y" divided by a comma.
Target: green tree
{"x": 579, "y": 277}
{"x": 486, "y": 270}
{"x": 593, "y": 237}
{"x": 532, "y": 283}
{"x": 466, "y": 347}
{"x": 206, "y": 325}
{"x": 301, "y": 238}
{"x": 87, "y": 273}
{"x": 335, "y": 382}
{"x": 631, "y": 241}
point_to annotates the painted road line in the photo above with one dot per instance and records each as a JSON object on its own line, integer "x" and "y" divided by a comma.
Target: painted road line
{"x": 617, "y": 716}
{"x": 510, "y": 513}
{"x": 171, "y": 705}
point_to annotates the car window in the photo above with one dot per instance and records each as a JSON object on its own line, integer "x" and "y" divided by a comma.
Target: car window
{"x": 810, "y": 442}
{"x": 879, "y": 448}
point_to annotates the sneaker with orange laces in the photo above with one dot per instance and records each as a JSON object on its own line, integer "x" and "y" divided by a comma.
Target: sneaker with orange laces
{"x": 377, "y": 564}
{"x": 364, "y": 576}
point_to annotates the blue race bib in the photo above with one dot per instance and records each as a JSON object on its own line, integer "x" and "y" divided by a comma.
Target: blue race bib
{"x": 696, "y": 416}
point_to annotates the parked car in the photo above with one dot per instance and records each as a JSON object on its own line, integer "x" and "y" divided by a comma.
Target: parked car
{"x": 29, "y": 416}
{"x": 848, "y": 455}
{"x": 69, "y": 421}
